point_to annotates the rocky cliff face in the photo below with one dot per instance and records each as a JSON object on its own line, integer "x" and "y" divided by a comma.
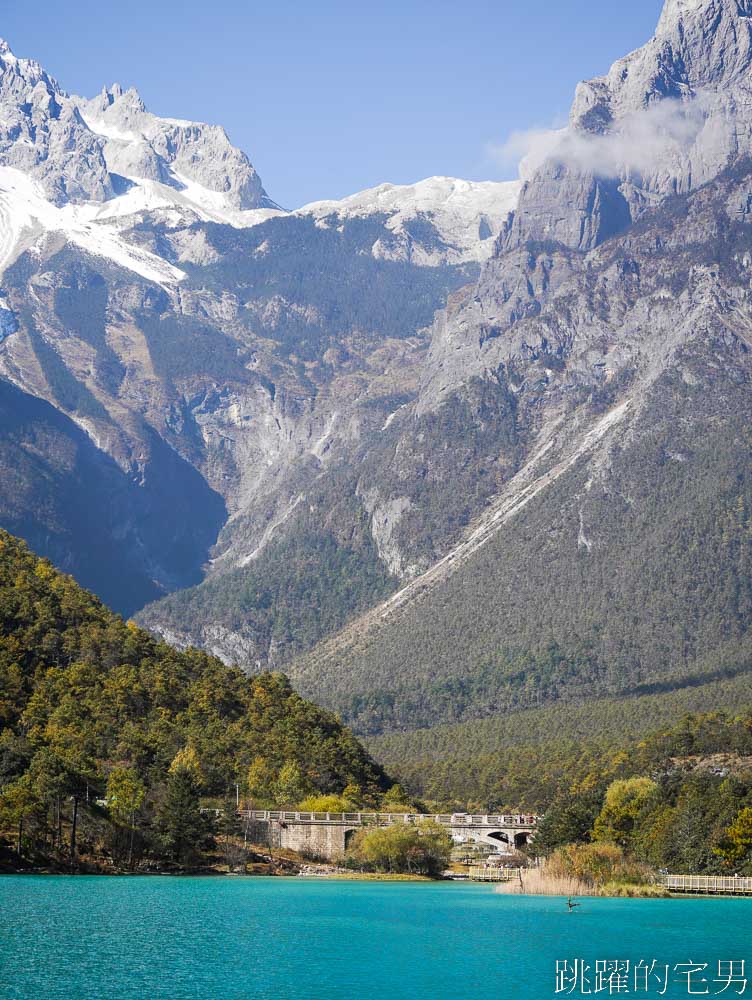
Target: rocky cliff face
{"x": 217, "y": 353}
{"x": 619, "y": 540}
{"x": 87, "y": 150}
{"x": 446, "y": 487}
{"x": 613, "y": 323}
{"x": 42, "y": 133}
{"x": 177, "y": 153}
{"x": 664, "y": 120}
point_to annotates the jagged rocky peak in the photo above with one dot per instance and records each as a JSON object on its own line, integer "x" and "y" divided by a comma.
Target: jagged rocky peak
{"x": 699, "y": 45}
{"x": 21, "y": 73}
{"x": 666, "y": 118}
{"x": 78, "y": 149}
{"x": 142, "y": 145}
{"x": 43, "y": 134}
{"x": 115, "y": 93}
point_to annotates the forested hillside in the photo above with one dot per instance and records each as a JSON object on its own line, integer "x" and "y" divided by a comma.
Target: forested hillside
{"x": 93, "y": 708}
{"x": 680, "y": 799}
{"x": 619, "y": 556}
{"x": 520, "y": 760}
{"x": 676, "y": 796}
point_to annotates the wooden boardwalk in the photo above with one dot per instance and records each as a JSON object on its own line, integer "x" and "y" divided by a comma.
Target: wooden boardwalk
{"x": 492, "y": 873}
{"x": 707, "y": 885}
{"x": 697, "y": 885}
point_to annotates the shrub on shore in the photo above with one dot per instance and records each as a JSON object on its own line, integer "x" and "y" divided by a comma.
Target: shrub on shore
{"x": 421, "y": 848}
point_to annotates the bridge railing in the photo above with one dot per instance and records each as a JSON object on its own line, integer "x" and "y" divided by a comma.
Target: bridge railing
{"x": 388, "y": 819}
{"x": 707, "y": 884}
{"x": 493, "y": 873}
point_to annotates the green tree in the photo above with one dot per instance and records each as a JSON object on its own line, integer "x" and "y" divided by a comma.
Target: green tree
{"x": 736, "y": 846}
{"x": 353, "y": 794}
{"x": 17, "y": 802}
{"x": 625, "y": 800}
{"x": 414, "y": 848}
{"x": 291, "y": 784}
{"x": 394, "y": 796}
{"x": 327, "y": 803}
{"x": 261, "y": 780}
{"x": 229, "y": 829}
{"x": 52, "y": 782}
{"x": 569, "y": 820}
{"x": 183, "y": 829}
{"x": 187, "y": 759}
{"x": 397, "y": 800}
{"x": 125, "y": 796}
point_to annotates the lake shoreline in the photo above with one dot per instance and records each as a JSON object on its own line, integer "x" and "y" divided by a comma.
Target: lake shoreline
{"x": 215, "y": 872}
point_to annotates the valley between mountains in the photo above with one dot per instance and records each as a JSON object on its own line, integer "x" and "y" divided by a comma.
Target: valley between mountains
{"x": 459, "y": 458}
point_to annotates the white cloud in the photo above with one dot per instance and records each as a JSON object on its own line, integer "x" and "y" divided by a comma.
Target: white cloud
{"x": 640, "y": 144}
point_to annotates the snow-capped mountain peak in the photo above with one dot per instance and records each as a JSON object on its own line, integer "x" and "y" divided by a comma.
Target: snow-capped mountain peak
{"x": 141, "y": 146}
{"x": 27, "y": 68}
{"x": 81, "y": 167}
{"x": 464, "y": 216}
{"x": 90, "y": 168}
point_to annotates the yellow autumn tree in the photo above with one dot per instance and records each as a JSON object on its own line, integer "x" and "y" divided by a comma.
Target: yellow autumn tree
{"x": 188, "y": 760}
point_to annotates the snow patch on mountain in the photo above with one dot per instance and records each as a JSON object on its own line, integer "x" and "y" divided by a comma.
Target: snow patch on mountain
{"x": 179, "y": 204}
{"x": 27, "y": 215}
{"x": 465, "y": 216}
{"x": 96, "y": 168}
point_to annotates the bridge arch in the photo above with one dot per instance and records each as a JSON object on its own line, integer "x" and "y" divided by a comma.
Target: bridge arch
{"x": 501, "y": 837}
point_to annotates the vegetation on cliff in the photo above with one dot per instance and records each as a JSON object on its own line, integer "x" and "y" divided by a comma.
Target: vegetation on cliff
{"x": 544, "y": 614}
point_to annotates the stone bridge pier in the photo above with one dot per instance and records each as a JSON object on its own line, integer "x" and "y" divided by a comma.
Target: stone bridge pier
{"x": 327, "y": 835}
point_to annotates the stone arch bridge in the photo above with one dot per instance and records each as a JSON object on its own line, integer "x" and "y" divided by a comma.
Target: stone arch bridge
{"x": 326, "y": 835}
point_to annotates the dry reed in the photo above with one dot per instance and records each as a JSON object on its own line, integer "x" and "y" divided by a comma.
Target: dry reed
{"x": 537, "y": 882}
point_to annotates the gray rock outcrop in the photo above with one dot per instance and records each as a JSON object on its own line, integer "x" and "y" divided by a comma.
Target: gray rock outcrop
{"x": 664, "y": 120}
{"x": 140, "y": 144}
{"x": 42, "y": 133}
{"x": 80, "y": 150}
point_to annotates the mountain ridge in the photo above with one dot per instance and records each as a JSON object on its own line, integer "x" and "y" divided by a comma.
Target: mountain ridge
{"x": 457, "y": 449}
{"x": 571, "y": 318}
{"x": 157, "y": 311}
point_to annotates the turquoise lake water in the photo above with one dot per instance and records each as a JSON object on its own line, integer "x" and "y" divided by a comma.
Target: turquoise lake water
{"x": 83, "y": 938}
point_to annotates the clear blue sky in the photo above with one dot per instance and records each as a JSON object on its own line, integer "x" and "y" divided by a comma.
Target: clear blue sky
{"x": 330, "y": 97}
